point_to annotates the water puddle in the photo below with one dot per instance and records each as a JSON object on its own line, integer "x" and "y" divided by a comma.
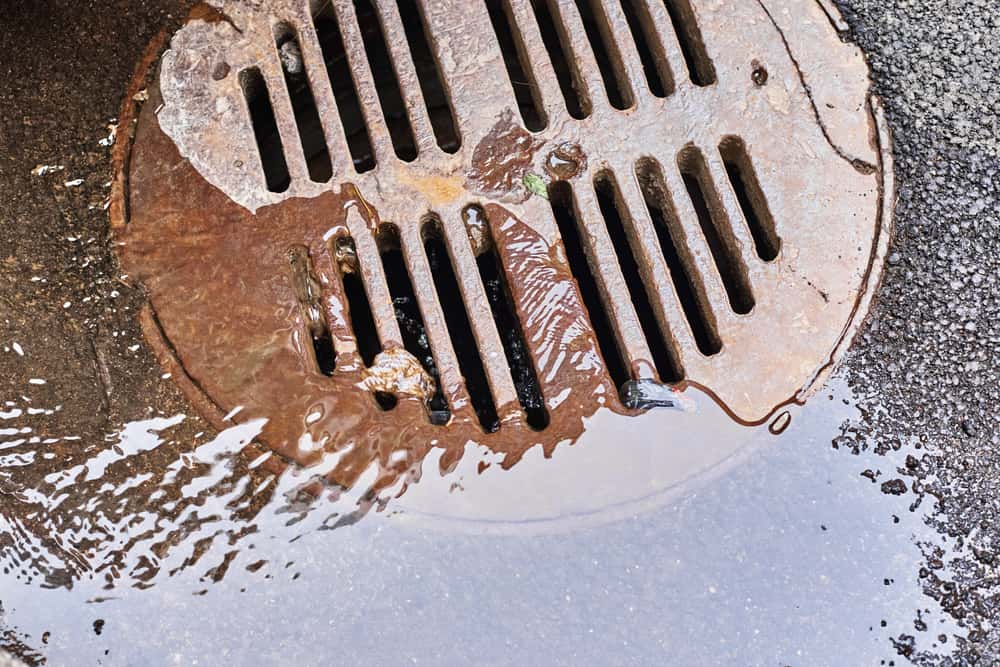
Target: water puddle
{"x": 713, "y": 543}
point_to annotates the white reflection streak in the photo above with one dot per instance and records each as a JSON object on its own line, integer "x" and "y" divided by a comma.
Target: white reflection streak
{"x": 210, "y": 515}
{"x": 134, "y": 438}
{"x": 221, "y": 448}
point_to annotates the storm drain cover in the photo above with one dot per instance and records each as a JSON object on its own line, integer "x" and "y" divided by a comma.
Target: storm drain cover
{"x": 391, "y": 226}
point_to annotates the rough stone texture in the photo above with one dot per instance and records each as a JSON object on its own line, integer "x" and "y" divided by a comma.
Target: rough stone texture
{"x": 928, "y": 363}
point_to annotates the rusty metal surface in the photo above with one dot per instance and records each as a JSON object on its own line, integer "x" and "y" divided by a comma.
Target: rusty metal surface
{"x": 209, "y": 242}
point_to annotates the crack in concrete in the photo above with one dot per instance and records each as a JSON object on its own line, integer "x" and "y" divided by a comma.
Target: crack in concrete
{"x": 103, "y": 377}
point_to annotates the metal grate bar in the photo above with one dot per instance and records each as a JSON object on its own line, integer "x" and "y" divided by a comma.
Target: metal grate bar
{"x": 364, "y": 81}
{"x": 452, "y": 383}
{"x": 703, "y": 263}
{"x": 374, "y": 280}
{"x": 274, "y": 78}
{"x": 610, "y": 281}
{"x": 656, "y": 274}
{"x": 326, "y": 105}
{"x": 542, "y": 75}
{"x": 480, "y": 318}
{"x": 406, "y": 75}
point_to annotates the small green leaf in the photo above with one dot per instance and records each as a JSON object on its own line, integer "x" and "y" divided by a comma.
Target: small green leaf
{"x": 536, "y": 185}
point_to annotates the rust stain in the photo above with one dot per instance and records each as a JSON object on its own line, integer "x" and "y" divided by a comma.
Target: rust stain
{"x": 439, "y": 190}
{"x": 209, "y": 14}
{"x": 233, "y": 314}
{"x": 122, "y": 149}
{"x": 565, "y": 162}
{"x": 502, "y": 159}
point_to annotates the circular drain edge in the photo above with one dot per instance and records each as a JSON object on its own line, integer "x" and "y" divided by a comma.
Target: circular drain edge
{"x": 168, "y": 358}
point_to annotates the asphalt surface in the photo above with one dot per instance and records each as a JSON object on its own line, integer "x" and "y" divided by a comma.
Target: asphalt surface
{"x": 928, "y": 365}
{"x": 924, "y": 371}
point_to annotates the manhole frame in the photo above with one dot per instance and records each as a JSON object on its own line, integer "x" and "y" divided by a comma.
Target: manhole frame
{"x": 167, "y": 357}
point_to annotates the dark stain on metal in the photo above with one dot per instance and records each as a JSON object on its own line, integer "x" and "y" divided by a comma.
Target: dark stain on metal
{"x": 780, "y": 423}
{"x": 759, "y": 73}
{"x": 502, "y": 158}
{"x": 565, "y": 162}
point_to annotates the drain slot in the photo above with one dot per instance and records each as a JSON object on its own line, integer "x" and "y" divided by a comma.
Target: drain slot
{"x": 609, "y": 61}
{"x": 386, "y": 83}
{"x": 308, "y": 291}
{"x": 673, "y": 246}
{"x": 326, "y": 355}
{"x": 360, "y": 311}
{"x": 362, "y": 321}
{"x": 411, "y": 321}
{"x": 716, "y": 228}
{"x": 459, "y": 329}
{"x": 757, "y": 213}
{"x": 522, "y": 369}
{"x": 515, "y": 58}
{"x": 615, "y": 213}
{"x": 560, "y": 54}
{"x": 303, "y": 105}
{"x": 700, "y": 67}
{"x": 345, "y": 94}
{"x": 265, "y": 130}
{"x": 565, "y": 212}
{"x": 432, "y": 85}
{"x": 659, "y": 78}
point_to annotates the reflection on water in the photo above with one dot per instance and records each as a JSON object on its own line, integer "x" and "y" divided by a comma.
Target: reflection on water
{"x": 706, "y": 527}
{"x": 143, "y": 505}
{"x": 118, "y": 512}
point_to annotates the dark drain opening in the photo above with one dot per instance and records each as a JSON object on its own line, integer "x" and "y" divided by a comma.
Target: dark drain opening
{"x": 265, "y": 130}
{"x": 564, "y": 210}
{"x": 386, "y": 82}
{"x": 689, "y": 38}
{"x": 557, "y": 45}
{"x": 609, "y": 61}
{"x": 757, "y": 213}
{"x": 654, "y": 61}
{"x": 409, "y": 317}
{"x": 326, "y": 356}
{"x": 385, "y": 400}
{"x": 716, "y": 228}
{"x": 515, "y": 58}
{"x": 615, "y": 214}
{"x": 362, "y": 321}
{"x": 307, "y": 118}
{"x": 359, "y": 308}
{"x": 673, "y": 245}
{"x": 432, "y": 83}
{"x": 459, "y": 328}
{"x": 522, "y": 368}
{"x": 345, "y": 94}
{"x": 308, "y": 291}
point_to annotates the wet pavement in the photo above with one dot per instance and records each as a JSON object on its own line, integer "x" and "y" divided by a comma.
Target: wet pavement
{"x": 132, "y": 532}
{"x": 775, "y": 553}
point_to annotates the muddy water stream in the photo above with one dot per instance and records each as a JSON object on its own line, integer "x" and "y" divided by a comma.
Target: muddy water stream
{"x": 736, "y": 546}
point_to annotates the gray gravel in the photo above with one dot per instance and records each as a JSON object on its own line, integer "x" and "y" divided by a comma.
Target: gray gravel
{"x": 927, "y": 366}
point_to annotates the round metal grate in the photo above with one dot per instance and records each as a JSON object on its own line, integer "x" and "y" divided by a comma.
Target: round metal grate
{"x": 396, "y": 226}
